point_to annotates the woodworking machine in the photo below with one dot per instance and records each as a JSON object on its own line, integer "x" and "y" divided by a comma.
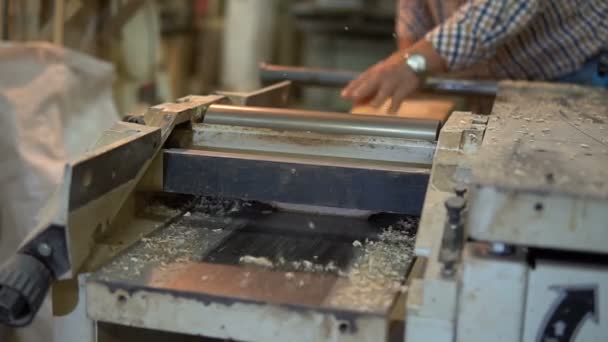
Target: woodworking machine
{"x": 230, "y": 216}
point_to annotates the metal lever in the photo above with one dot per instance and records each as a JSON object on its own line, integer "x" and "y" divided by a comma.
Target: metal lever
{"x": 453, "y": 234}
{"x": 334, "y": 78}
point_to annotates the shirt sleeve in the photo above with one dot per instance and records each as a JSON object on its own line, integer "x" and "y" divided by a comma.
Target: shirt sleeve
{"x": 413, "y": 19}
{"x": 475, "y": 31}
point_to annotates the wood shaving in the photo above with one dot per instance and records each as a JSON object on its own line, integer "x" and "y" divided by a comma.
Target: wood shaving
{"x": 258, "y": 261}
{"x": 382, "y": 265}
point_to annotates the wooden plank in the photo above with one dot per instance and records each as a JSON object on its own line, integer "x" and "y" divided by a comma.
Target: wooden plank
{"x": 417, "y": 108}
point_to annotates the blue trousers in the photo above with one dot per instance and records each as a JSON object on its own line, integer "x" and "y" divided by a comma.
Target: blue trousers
{"x": 587, "y": 75}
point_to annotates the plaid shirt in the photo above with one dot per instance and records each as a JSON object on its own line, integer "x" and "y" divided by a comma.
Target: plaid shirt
{"x": 518, "y": 39}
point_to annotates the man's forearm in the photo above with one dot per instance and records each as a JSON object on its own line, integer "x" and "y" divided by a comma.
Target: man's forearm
{"x": 404, "y": 43}
{"x": 475, "y": 31}
{"x": 413, "y": 21}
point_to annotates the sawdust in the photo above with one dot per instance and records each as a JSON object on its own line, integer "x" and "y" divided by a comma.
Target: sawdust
{"x": 369, "y": 282}
{"x": 175, "y": 244}
{"x": 380, "y": 270}
{"x": 309, "y": 266}
{"x": 296, "y": 265}
{"x": 182, "y": 239}
{"x": 381, "y": 265}
{"x": 257, "y": 261}
{"x": 160, "y": 209}
{"x": 212, "y": 206}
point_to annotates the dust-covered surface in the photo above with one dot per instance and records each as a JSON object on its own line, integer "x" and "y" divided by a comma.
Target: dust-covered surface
{"x": 186, "y": 238}
{"x": 547, "y": 138}
{"x": 157, "y": 208}
{"x": 176, "y": 243}
{"x": 301, "y": 265}
{"x": 364, "y": 274}
{"x": 380, "y": 270}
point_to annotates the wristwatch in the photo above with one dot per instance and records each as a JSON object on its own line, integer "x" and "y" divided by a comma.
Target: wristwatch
{"x": 418, "y": 64}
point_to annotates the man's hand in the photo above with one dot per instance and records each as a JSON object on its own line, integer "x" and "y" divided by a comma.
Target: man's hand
{"x": 391, "y": 78}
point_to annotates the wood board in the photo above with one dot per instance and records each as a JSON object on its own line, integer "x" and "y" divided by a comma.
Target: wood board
{"x": 417, "y": 108}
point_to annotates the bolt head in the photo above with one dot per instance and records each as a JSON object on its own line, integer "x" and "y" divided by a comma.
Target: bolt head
{"x": 460, "y": 190}
{"x": 455, "y": 203}
{"x": 448, "y": 270}
{"x": 499, "y": 248}
{"x": 44, "y": 249}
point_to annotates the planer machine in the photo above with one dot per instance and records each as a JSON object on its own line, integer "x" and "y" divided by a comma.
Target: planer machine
{"x": 229, "y": 216}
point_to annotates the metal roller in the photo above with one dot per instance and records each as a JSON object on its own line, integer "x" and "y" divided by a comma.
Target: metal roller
{"x": 322, "y": 122}
{"x": 335, "y": 78}
{"x": 306, "y": 76}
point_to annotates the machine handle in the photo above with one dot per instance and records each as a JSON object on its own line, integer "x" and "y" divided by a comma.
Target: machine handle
{"x": 24, "y": 283}
{"x": 333, "y": 78}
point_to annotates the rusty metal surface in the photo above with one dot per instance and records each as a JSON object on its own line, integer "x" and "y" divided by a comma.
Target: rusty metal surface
{"x": 105, "y": 169}
{"x": 344, "y": 267}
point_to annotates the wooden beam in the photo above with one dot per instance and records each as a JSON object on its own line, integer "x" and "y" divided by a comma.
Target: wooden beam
{"x": 71, "y": 9}
{"x": 4, "y": 19}
{"x": 58, "y": 21}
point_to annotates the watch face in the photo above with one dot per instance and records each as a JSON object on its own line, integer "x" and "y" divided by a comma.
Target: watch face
{"x": 417, "y": 63}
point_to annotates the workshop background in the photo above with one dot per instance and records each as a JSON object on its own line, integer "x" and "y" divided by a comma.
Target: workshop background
{"x": 163, "y": 49}
{"x": 160, "y": 51}
{"x": 310, "y": 226}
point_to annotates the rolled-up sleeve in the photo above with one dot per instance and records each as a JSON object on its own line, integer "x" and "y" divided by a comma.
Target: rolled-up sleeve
{"x": 475, "y": 31}
{"x": 413, "y": 19}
